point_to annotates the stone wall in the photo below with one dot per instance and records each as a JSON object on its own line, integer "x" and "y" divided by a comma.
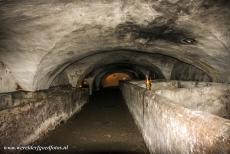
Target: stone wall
{"x": 214, "y": 99}
{"x": 7, "y": 80}
{"x": 186, "y": 72}
{"x": 91, "y": 65}
{"x": 26, "y": 116}
{"x": 200, "y": 96}
{"x": 169, "y": 127}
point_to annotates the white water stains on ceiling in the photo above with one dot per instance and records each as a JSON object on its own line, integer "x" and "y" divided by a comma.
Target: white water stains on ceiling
{"x": 38, "y": 39}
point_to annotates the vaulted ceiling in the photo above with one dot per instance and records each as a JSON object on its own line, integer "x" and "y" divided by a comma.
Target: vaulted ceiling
{"x": 38, "y": 39}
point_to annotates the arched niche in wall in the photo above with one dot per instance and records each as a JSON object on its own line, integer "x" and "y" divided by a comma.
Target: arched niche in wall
{"x": 76, "y": 72}
{"x": 187, "y": 72}
{"x": 135, "y": 71}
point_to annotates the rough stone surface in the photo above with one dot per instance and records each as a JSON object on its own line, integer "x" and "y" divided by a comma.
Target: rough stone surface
{"x": 213, "y": 99}
{"x": 99, "y": 64}
{"x": 26, "y": 116}
{"x": 168, "y": 127}
{"x": 183, "y": 71}
{"x": 40, "y": 38}
{"x": 7, "y": 80}
{"x": 199, "y": 96}
{"x": 92, "y": 65}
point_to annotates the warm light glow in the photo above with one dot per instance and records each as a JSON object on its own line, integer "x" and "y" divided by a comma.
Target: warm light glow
{"x": 112, "y": 80}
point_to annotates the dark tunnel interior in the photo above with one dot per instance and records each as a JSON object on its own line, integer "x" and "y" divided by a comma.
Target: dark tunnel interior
{"x": 121, "y": 76}
{"x": 104, "y": 126}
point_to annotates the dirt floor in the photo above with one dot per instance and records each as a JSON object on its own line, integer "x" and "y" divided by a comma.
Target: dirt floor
{"x": 103, "y": 126}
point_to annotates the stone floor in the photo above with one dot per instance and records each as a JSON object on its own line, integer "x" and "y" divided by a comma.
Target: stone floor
{"x": 103, "y": 126}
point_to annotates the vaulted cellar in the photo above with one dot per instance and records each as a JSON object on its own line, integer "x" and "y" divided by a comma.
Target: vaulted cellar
{"x": 75, "y": 76}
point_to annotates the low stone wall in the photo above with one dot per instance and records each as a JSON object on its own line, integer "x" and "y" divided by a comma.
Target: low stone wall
{"x": 213, "y": 99}
{"x": 200, "y": 96}
{"x": 26, "y": 116}
{"x": 169, "y": 127}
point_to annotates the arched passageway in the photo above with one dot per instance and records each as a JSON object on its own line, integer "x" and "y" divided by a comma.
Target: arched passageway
{"x": 112, "y": 80}
{"x": 55, "y": 55}
{"x": 103, "y": 126}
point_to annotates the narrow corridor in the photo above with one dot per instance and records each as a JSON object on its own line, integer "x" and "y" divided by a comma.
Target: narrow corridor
{"x": 103, "y": 126}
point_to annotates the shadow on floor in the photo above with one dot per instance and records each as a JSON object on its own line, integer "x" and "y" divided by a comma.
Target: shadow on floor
{"x": 103, "y": 126}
